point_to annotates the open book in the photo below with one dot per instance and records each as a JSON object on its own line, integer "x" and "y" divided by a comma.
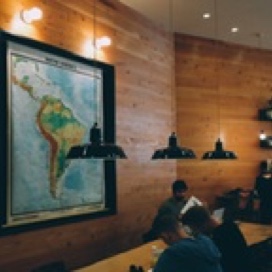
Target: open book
{"x": 192, "y": 201}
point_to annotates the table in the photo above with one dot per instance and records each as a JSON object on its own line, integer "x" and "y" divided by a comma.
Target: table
{"x": 141, "y": 256}
{"x": 254, "y": 232}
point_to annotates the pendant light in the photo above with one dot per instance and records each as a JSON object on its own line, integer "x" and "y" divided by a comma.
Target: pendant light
{"x": 96, "y": 149}
{"x": 219, "y": 152}
{"x": 173, "y": 150}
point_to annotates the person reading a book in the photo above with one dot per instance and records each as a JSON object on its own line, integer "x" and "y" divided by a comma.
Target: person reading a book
{"x": 171, "y": 206}
{"x": 263, "y": 189}
{"x": 236, "y": 256}
{"x": 185, "y": 253}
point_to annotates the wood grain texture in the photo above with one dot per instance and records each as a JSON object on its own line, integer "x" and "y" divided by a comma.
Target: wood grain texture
{"x": 219, "y": 89}
{"x": 253, "y": 233}
{"x": 145, "y": 116}
{"x": 141, "y": 53}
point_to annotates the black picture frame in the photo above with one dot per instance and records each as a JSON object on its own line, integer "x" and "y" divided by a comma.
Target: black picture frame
{"x": 107, "y": 72}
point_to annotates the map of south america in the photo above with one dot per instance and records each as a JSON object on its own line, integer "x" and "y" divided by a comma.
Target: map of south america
{"x": 58, "y": 125}
{"x": 52, "y": 101}
{"x": 56, "y": 121}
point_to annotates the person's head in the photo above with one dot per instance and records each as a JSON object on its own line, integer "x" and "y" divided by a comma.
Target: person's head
{"x": 168, "y": 228}
{"x": 199, "y": 219}
{"x": 179, "y": 188}
{"x": 264, "y": 169}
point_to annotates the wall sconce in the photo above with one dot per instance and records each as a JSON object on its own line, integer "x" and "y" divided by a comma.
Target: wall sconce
{"x": 262, "y": 135}
{"x": 30, "y": 15}
{"x": 102, "y": 42}
{"x": 265, "y": 141}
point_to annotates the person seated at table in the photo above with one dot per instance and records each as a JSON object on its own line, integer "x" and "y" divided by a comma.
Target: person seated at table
{"x": 263, "y": 189}
{"x": 171, "y": 205}
{"x": 236, "y": 256}
{"x": 185, "y": 253}
{"x": 177, "y": 201}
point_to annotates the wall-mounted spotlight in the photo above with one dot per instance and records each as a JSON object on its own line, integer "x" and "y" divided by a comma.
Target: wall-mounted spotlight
{"x": 102, "y": 42}
{"x": 262, "y": 135}
{"x": 265, "y": 141}
{"x": 30, "y": 15}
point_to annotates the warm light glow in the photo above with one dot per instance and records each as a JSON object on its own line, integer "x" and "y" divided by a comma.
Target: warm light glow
{"x": 262, "y": 135}
{"x": 234, "y": 29}
{"x": 30, "y": 15}
{"x": 206, "y": 15}
{"x": 17, "y": 26}
{"x": 88, "y": 48}
{"x": 95, "y": 51}
{"x": 103, "y": 42}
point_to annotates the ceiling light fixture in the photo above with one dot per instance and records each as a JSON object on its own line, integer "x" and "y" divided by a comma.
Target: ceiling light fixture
{"x": 262, "y": 135}
{"x": 206, "y": 15}
{"x": 234, "y": 29}
{"x": 30, "y": 15}
{"x": 219, "y": 152}
{"x": 172, "y": 151}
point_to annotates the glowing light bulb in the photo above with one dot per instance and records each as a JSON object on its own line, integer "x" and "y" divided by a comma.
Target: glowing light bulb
{"x": 103, "y": 42}
{"x": 30, "y": 15}
{"x": 262, "y": 135}
{"x": 88, "y": 48}
{"x": 206, "y": 15}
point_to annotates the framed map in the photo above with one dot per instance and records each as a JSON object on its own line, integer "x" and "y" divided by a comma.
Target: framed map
{"x": 50, "y": 99}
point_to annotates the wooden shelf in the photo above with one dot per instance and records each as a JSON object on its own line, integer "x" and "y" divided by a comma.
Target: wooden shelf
{"x": 265, "y": 114}
{"x": 266, "y": 143}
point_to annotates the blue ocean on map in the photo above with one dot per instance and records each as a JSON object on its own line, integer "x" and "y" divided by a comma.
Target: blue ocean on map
{"x": 82, "y": 183}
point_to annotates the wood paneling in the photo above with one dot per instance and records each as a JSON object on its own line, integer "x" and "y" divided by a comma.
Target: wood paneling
{"x": 205, "y": 111}
{"x": 141, "y": 53}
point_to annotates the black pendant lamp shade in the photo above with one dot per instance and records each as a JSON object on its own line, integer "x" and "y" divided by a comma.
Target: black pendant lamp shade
{"x": 96, "y": 149}
{"x": 219, "y": 153}
{"x": 173, "y": 151}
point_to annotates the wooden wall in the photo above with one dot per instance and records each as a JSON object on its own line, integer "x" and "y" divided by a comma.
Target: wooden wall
{"x": 141, "y": 53}
{"x": 219, "y": 89}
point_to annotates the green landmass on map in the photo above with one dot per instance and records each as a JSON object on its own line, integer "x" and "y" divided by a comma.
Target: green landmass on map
{"x": 59, "y": 127}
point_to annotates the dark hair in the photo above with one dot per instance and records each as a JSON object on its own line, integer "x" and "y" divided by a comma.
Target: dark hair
{"x": 179, "y": 185}
{"x": 264, "y": 167}
{"x": 165, "y": 223}
{"x": 196, "y": 216}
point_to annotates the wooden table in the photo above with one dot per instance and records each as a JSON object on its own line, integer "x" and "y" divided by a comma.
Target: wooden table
{"x": 141, "y": 256}
{"x": 255, "y": 233}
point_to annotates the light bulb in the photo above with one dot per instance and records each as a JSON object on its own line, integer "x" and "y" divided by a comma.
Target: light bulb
{"x": 262, "y": 135}
{"x": 30, "y": 15}
{"x": 102, "y": 42}
{"x": 206, "y": 15}
{"x": 88, "y": 48}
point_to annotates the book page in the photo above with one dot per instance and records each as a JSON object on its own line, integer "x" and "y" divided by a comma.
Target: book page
{"x": 192, "y": 201}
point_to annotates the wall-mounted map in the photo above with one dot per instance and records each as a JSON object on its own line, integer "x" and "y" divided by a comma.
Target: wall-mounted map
{"x": 53, "y": 102}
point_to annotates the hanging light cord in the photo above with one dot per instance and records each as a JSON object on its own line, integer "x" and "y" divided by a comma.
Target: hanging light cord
{"x": 94, "y": 28}
{"x": 216, "y": 37}
{"x": 171, "y": 28}
{"x": 94, "y": 48}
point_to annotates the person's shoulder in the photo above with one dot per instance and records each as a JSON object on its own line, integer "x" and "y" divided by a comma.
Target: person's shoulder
{"x": 201, "y": 236}
{"x": 230, "y": 229}
{"x": 165, "y": 261}
{"x": 167, "y": 202}
{"x": 226, "y": 227}
{"x": 204, "y": 239}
